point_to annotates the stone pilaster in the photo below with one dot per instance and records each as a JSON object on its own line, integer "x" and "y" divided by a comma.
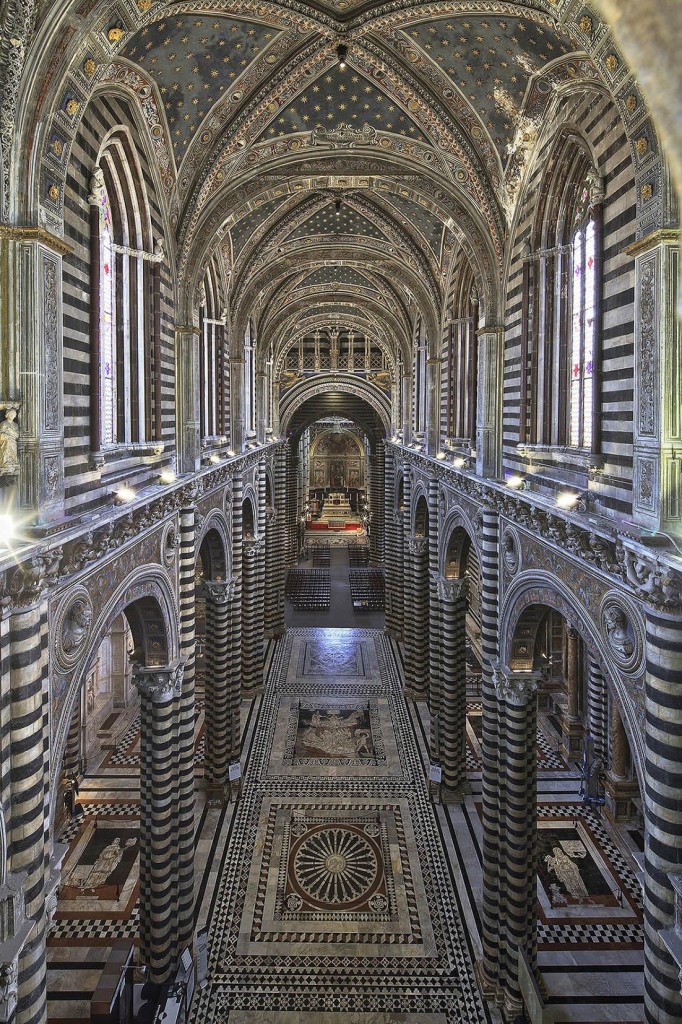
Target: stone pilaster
{"x": 376, "y": 505}
{"x": 657, "y": 420}
{"x": 434, "y": 626}
{"x": 187, "y": 398}
{"x": 392, "y": 564}
{"x": 160, "y": 688}
{"x": 489, "y": 402}
{"x": 31, "y": 377}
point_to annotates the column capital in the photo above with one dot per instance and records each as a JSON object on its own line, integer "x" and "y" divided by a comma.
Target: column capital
{"x": 515, "y": 687}
{"x": 452, "y": 589}
{"x": 418, "y": 545}
{"x": 252, "y": 545}
{"x": 159, "y": 683}
{"x": 218, "y": 591}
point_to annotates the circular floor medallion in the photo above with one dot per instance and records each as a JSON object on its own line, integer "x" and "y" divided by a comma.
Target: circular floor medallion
{"x": 335, "y": 866}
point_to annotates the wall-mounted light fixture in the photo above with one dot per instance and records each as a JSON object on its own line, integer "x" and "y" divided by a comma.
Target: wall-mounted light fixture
{"x": 125, "y": 493}
{"x": 516, "y": 482}
{"x": 167, "y": 476}
{"x": 571, "y": 501}
{"x": 342, "y": 53}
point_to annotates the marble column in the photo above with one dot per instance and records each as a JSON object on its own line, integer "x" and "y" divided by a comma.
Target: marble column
{"x": 434, "y": 627}
{"x": 28, "y": 824}
{"x": 160, "y": 688}
{"x": 216, "y": 595}
{"x": 571, "y": 725}
{"x": 237, "y": 616}
{"x": 663, "y": 810}
{"x": 597, "y": 698}
{"x": 453, "y": 711}
{"x": 516, "y": 692}
{"x": 490, "y": 967}
{"x": 407, "y": 408}
{"x": 392, "y": 526}
{"x": 185, "y": 728}
{"x": 417, "y": 621}
{"x": 619, "y": 786}
{"x": 376, "y": 505}
{"x": 279, "y": 540}
{"x": 252, "y": 675}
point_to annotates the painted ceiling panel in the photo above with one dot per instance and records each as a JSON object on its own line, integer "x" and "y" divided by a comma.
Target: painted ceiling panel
{"x": 245, "y": 227}
{"x": 194, "y": 60}
{"x": 346, "y": 222}
{"x": 337, "y": 275}
{"x": 426, "y": 222}
{"x": 490, "y": 59}
{"x": 344, "y": 96}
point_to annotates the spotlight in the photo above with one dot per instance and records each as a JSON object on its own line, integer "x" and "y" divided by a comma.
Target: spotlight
{"x": 441, "y": 455}
{"x": 231, "y": 453}
{"x": 125, "y": 493}
{"x": 167, "y": 476}
{"x": 459, "y": 462}
{"x": 337, "y": 207}
{"x": 570, "y": 500}
{"x": 342, "y": 53}
{"x": 7, "y": 530}
{"x": 214, "y": 458}
{"x": 516, "y": 482}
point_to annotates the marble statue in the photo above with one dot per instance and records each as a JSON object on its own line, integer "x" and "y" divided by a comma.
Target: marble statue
{"x": 9, "y": 441}
{"x": 76, "y": 626}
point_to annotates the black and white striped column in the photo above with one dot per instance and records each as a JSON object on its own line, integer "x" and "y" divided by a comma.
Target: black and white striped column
{"x": 492, "y": 795}
{"x": 252, "y": 617}
{"x": 417, "y": 633}
{"x": 435, "y": 651}
{"x": 27, "y": 828}
{"x": 237, "y": 569}
{"x": 272, "y": 555}
{"x": 516, "y": 693}
{"x": 291, "y": 507}
{"x": 663, "y": 809}
{"x": 391, "y": 564}
{"x": 597, "y": 702}
{"x": 186, "y": 728}
{"x": 376, "y": 505}
{"x": 407, "y": 582}
{"x": 279, "y": 540}
{"x": 452, "y": 595}
{"x": 160, "y": 688}
{"x": 218, "y": 736}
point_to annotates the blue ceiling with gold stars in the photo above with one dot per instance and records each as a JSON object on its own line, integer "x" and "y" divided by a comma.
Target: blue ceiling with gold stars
{"x": 338, "y": 275}
{"x": 411, "y": 214}
{"x": 346, "y": 96}
{"x": 245, "y": 227}
{"x": 485, "y": 55}
{"x": 193, "y": 61}
{"x": 346, "y": 222}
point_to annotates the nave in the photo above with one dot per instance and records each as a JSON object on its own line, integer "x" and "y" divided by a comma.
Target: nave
{"x": 335, "y": 890}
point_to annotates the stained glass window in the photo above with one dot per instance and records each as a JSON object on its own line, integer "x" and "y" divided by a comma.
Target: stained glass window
{"x": 583, "y": 308}
{"x": 107, "y": 321}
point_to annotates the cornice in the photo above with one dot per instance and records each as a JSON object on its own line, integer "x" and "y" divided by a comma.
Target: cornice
{"x": 41, "y": 235}
{"x": 653, "y": 576}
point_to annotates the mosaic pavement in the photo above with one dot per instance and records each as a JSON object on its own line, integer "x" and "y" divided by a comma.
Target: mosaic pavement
{"x": 338, "y": 900}
{"x": 336, "y": 892}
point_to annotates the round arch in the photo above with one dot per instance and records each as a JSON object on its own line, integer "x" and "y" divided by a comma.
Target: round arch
{"x": 456, "y": 520}
{"x": 146, "y": 599}
{"x": 540, "y": 588}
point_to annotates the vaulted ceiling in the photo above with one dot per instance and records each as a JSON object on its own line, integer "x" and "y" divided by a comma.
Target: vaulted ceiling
{"x": 343, "y": 194}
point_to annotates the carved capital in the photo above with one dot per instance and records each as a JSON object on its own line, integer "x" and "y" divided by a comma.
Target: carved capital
{"x": 515, "y": 687}
{"x": 252, "y": 546}
{"x": 452, "y": 589}
{"x": 159, "y": 683}
{"x": 418, "y": 545}
{"x": 218, "y": 591}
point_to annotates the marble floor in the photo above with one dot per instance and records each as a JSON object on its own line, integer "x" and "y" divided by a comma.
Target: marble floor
{"x": 334, "y": 890}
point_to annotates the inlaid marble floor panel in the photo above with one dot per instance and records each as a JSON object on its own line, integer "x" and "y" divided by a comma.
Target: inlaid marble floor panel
{"x": 335, "y": 903}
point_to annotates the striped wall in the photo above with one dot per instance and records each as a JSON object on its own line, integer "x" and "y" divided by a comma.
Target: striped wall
{"x": 596, "y": 118}
{"x": 83, "y": 488}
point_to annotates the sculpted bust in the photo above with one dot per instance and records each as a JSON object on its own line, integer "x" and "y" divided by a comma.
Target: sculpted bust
{"x": 617, "y": 631}
{"x": 76, "y": 625}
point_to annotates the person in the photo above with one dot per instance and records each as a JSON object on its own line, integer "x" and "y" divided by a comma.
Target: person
{"x": 9, "y": 439}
